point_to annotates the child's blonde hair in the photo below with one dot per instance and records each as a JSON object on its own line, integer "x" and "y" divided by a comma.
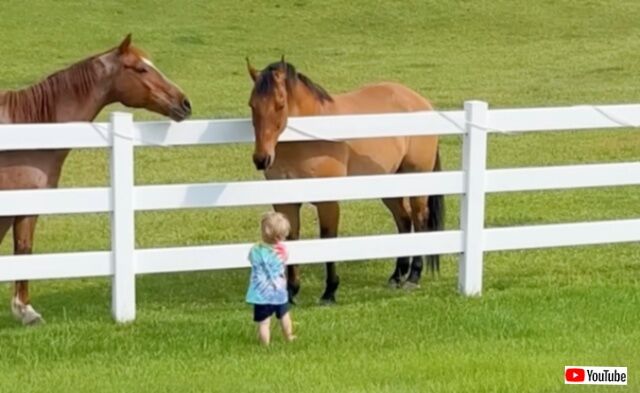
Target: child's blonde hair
{"x": 275, "y": 227}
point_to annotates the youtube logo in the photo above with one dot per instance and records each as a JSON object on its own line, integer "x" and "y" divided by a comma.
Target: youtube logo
{"x": 589, "y": 375}
{"x": 574, "y": 374}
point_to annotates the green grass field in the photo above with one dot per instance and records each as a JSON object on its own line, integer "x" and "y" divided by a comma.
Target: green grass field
{"x": 541, "y": 309}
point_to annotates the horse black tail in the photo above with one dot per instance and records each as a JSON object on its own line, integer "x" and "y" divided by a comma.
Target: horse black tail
{"x": 435, "y": 220}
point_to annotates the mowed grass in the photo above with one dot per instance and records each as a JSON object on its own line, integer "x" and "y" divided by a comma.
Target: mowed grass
{"x": 541, "y": 309}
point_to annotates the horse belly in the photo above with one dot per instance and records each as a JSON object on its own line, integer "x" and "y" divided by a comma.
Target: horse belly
{"x": 16, "y": 178}
{"x": 29, "y": 169}
{"x": 376, "y": 156}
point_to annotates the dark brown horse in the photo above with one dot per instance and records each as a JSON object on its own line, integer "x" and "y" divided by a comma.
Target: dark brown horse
{"x": 279, "y": 92}
{"x": 77, "y": 93}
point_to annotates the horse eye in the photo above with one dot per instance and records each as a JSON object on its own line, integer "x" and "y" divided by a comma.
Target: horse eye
{"x": 141, "y": 70}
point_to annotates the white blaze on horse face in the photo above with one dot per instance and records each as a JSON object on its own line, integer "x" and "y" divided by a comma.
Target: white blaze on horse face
{"x": 150, "y": 64}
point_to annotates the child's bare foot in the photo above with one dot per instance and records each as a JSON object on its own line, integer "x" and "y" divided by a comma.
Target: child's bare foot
{"x": 291, "y": 338}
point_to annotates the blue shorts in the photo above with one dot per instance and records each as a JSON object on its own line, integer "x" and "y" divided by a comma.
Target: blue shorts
{"x": 264, "y": 311}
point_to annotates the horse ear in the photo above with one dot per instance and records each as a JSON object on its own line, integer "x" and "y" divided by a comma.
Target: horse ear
{"x": 280, "y": 77}
{"x": 280, "y": 73}
{"x": 253, "y": 73}
{"x": 124, "y": 45}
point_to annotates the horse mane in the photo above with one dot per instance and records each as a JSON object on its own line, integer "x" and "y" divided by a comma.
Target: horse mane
{"x": 37, "y": 103}
{"x": 266, "y": 81}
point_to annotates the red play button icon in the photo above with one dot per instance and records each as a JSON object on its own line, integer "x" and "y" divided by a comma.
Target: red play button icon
{"x": 574, "y": 375}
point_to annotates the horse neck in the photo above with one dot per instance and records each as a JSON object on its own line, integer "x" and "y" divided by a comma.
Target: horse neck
{"x": 302, "y": 102}
{"x": 53, "y": 101}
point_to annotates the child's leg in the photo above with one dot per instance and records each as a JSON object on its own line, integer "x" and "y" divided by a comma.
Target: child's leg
{"x": 287, "y": 328}
{"x": 264, "y": 331}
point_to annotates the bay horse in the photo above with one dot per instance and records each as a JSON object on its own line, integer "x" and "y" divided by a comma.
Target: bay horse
{"x": 78, "y": 93}
{"x": 279, "y": 91}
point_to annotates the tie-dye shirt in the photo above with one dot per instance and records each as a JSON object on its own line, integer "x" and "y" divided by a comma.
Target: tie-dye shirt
{"x": 267, "y": 284}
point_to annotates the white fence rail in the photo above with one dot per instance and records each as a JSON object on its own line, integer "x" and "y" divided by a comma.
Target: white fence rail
{"x": 474, "y": 181}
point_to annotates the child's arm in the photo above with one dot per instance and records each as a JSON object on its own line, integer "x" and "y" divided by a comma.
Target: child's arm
{"x": 282, "y": 252}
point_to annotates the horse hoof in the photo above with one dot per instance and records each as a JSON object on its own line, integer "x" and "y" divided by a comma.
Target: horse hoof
{"x": 31, "y": 317}
{"x": 292, "y": 291}
{"x": 25, "y": 313}
{"x": 35, "y": 321}
{"x": 16, "y": 310}
{"x": 410, "y": 286}
{"x": 394, "y": 283}
{"x": 327, "y": 301}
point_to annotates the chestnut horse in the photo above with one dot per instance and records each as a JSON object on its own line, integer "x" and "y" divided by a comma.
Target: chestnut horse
{"x": 279, "y": 92}
{"x": 77, "y": 93}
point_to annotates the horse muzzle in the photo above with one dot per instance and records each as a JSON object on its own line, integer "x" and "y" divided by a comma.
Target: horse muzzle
{"x": 181, "y": 111}
{"x": 262, "y": 161}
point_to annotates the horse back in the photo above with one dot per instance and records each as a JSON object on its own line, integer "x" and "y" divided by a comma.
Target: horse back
{"x": 393, "y": 154}
{"x": 384, "y": 97}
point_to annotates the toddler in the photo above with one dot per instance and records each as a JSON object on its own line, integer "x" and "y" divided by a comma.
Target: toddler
{"x": 268, "y": 287}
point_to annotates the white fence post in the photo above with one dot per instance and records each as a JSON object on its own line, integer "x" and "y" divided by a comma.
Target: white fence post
{"x": 474, "y": 163}
{"x": 123, "y": 286}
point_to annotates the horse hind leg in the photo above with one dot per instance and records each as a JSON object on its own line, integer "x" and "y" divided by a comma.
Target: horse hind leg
{"x": 427, "y": 214}
{"x": 435, "y": 222}
{"x": 402, "y": 219}
{"x": 419, "y": 214}
{"x": 23, "y": 229}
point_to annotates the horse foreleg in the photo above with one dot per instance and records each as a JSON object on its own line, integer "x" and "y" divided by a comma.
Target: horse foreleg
{"x": 329, "y": 217}
{"x": 402, "y": 218}
{"x": 23, "y": 229}
{"x": 292, "y": 212}
{"x": 5, "y": 224}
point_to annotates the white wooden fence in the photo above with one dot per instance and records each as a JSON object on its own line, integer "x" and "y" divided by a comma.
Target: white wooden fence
{"x": 123, "y": 198}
